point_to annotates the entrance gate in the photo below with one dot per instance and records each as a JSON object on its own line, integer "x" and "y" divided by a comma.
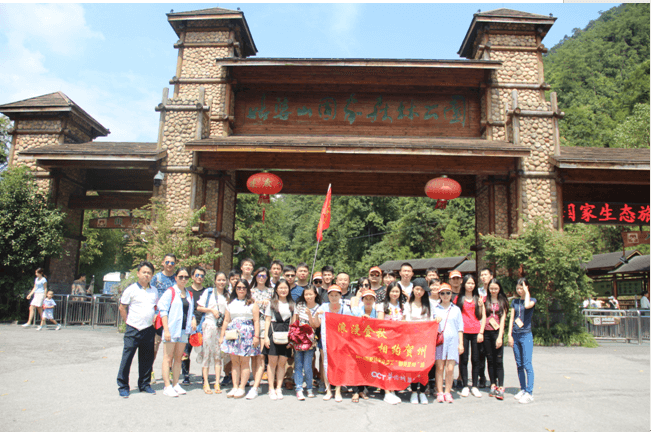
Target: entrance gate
{"x": 367, "y": 126}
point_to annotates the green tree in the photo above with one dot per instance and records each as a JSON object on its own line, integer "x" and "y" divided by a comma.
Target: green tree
{"x": 634, "y": 131}
{"x": 30, "y": 231}
{"x": 157, "y": 236}
{"x": 551, "y": 261}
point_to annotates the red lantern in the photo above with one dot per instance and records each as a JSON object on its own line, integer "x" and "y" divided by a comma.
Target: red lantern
{"x": 442, "y": 189}
{"x": 264, "y": 184}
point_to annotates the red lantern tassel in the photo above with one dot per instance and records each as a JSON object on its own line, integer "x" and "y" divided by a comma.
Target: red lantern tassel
{"x": 263, "y": 209}
{"x": 441, "y": 204}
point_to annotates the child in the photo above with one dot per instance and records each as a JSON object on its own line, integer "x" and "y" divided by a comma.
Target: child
{"x": 447, "y": 354}
{"x": 521, "y": 339}
{"x": 48, "y": 311}
{"x": 366, "y": 309}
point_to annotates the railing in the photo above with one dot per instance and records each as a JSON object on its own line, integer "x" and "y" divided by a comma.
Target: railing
{"x": 86, "y": 310}
{"x": 613, "y": 324}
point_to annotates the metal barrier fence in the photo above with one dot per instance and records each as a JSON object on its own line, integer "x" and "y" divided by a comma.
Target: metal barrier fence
{"x": 624, "y": 325}
{"x": 86, "y": 310}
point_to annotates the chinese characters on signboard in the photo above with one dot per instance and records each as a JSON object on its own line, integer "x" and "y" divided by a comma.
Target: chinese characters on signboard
{"x": 606, "y": 213}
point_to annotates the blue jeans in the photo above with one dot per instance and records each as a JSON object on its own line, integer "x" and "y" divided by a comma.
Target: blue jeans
{"x": 303, "y": 362}
{"x": 523, "y": 350}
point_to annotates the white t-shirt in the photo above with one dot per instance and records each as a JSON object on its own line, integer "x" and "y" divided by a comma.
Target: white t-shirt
{"x": 395, "y": 314}
{"x": 406, "y": 289}
{"x": 238, "y": 309}
{"x": 415, "y": 313}
{"x": 216, "y": 301}
{"x": 142, "y": 302}
{"x": 283, "y": 308}
{"x": 644, "y": 303}
{"x": 301, "y": 312}
{"x": 40, "y": 285}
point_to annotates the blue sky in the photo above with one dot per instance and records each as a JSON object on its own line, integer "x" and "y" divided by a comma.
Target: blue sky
{"x": 115, "y": 59}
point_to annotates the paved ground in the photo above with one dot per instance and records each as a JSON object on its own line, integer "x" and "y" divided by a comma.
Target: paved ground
{"x": 65, "y": 380}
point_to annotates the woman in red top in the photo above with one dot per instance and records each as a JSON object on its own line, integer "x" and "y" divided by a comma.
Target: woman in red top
{"x": 474, "y": 321}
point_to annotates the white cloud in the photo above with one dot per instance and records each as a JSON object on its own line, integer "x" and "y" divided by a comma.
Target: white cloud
{"x": 39, "y": 36}
{"x": 61, "y": 28}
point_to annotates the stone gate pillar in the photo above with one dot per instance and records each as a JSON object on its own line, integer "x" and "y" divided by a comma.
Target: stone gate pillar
{"x": 516, "y": 111}
{"x": 201, "y": 106}
{"x": 51, "y": 120}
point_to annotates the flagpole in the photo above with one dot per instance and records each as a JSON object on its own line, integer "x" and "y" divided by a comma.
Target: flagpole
{"x": 326, "y": 204}
{"x": 314, "y": 262}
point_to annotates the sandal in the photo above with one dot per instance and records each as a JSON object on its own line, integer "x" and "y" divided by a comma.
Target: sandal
{"x": 338, "y": 398}
{"x": 206, "y": 388}
{"x": 363, "y": 395}
{"x": 355, "y": 398}
{"x": 218, "y": 389}
{"x": 327, "y": 397}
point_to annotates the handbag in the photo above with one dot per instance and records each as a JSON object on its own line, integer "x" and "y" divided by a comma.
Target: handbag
{"x": 439, "y": 336}
{"x": 279, "y": 337}
{"x": 196, "y": 339}
{"x": 158, "y": 322}
{"x": 231, "y": 335}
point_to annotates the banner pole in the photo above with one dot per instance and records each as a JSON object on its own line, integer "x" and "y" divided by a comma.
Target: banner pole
{"x": 314, "y": 262}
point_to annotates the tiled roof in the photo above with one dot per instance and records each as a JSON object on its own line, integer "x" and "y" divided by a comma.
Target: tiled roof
{"x": 420, "y": 265}
{"x": 603, "y": 155}
{"x": 607, "y": 261}
{"x": 638, "y": 264}
{"x": 511, "y": 13}
{"x": 98, "y": 148}
{"x": 208, "y": 11}
{"x": 468, "y": 266}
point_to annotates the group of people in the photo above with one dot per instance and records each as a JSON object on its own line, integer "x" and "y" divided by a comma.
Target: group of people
{"x": 244, "y": 318}
{"x": 41, "y": 301}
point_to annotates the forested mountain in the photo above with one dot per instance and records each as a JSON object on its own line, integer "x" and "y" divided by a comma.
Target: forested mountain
{"x": 601, "y": 75}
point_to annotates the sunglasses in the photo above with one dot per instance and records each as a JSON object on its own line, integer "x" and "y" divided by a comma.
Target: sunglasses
{"x": 240, "y": 288}
{"x": 365, "y": 286}
{"x": 170, "y": 263}
{"x": 288, "y": 275}
{"x": 200, "y": 276}
{"x": 183, "y": 277}
{"x": 262, "y": 276}
{"x": 317, "y": 282}
{"x": 445, "y": 293}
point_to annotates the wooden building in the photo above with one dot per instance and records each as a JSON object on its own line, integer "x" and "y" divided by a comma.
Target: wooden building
{"x": 483, "y": 120}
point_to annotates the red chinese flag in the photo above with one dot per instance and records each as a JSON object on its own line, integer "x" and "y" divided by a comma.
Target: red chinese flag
{"x": 324, "y": 222}
{"x": 379, "y": 353}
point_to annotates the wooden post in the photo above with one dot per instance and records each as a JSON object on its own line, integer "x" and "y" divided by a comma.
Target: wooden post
{"x": 161, "y": 122}
{"x": 557, "y": 136}
{"x": 491, "y": 207}
{"x": 179, "y": 63}
{"x": 220, "y": 217}
{"x": 516, "y": 120}
{"x": 559, "y": 203}
{"x": 200, "y": 114}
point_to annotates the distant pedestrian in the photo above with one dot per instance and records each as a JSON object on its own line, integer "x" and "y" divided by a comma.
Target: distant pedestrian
{"x": 40, "y": 286}
{"x": 141, "y": 299}
{"x": 48, "y": 311}
{"x": 521, "y": 339}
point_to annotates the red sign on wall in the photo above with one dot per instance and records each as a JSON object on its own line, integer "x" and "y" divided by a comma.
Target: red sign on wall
{"x": 605, "y": 213}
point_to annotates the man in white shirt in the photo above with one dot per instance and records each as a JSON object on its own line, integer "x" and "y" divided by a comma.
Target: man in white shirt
{"x": 644, "y": 301}
{"x": 141, "y": 299}
{"x": 247, "y": 269}
{"x": 486, "y": 276}
{"x": 275, "y": 272}
{"x": 406, "y": 273}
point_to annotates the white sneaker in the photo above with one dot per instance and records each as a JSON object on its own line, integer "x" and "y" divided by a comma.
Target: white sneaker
{"x": 252, "y": 394}
{"x": 299, "y": 395}
{"x": 423, "y": 399}
{"x": 519, "y": 395}
{"x": 26, "y": 325}
{"x": 392, "y": 399}
{"x": 279, "y": 394}
{"x": 38, "y": 328}
{"x": 179, "y": 390}
{"x": 465, "y": 392}
{"x": 231, "y": 393}
{"x": 414, "y": 398}
{"x": 58, "y": 327}
{"x": 169, "y": 391}
{"x": 526, "y": 398}
{"x": 239, "y": 393}
{"x": 272, "y": 394}
{"x": 475, "y": 392}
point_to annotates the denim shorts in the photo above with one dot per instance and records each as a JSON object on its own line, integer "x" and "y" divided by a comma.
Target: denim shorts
{"x": 182, "y": 339}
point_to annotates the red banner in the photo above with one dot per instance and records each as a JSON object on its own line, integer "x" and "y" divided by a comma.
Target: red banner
{"x": 380, "y": 353}
{"x": 324, "y": 222}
